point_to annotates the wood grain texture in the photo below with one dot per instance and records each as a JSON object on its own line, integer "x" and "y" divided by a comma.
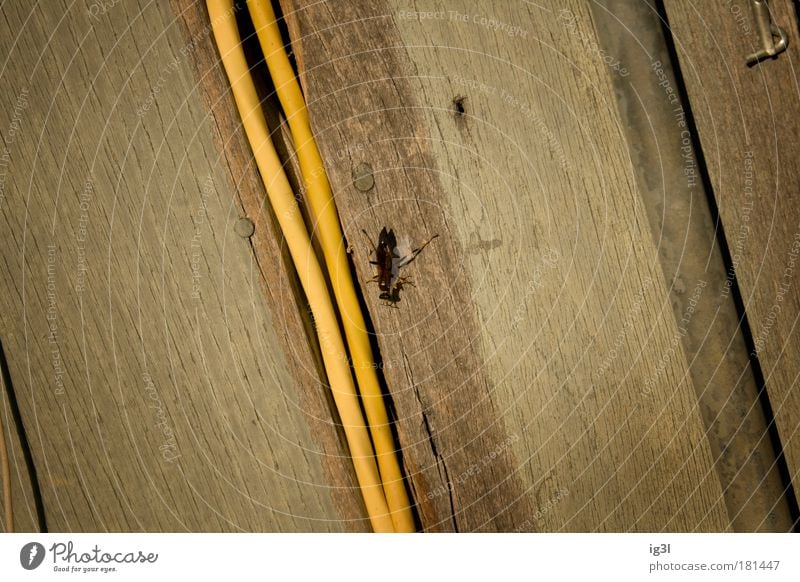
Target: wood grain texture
{"x": 22, "y": 491}
{"x": 536, "y": 367}
{"x": 676, "y": 202}
{"x": 751, "y": 143}
{"x": 159, "y": 358}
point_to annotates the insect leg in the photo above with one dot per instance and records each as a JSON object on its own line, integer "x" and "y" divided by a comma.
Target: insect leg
{"x": 371, "y": 244}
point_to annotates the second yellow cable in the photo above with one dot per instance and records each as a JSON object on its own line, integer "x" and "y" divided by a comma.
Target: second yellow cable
{"x": 326, "y": 220}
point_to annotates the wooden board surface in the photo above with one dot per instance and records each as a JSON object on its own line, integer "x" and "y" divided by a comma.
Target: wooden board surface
{"x": 676, "y": 201}
{"x": 159, "y": 358}
{"x": 22, "y": 488}
{"x": 751, "y": 143}
{"x": 165, "y": 365}
{"x": 536, "y": 367}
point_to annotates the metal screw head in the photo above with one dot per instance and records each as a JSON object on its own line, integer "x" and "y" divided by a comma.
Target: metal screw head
{"x": 362, "y": 178}
{"x": 244, "y": 227}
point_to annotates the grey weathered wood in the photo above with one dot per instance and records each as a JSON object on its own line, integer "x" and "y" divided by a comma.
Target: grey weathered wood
{"x": 667, "y": 175}
{"x": 751, "y": 144}
{"x": 536, "y": 368}
{"x": 184, "y": 395}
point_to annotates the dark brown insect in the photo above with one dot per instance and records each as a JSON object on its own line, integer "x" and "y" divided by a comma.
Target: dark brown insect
{"x": 390, "y": 258}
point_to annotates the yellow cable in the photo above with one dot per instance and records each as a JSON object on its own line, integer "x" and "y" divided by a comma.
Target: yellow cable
{"x": 309, "y": 271}
{"x": 326, "y": 220}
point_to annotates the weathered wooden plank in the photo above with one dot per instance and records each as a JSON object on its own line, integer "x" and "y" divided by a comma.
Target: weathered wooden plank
{"x": 536, "y": 368}
{"x": 751, "y": 144}
{"x": 22, "y": 490}
{"x": 667, "y": 175}
{"x": 159, "y": 357}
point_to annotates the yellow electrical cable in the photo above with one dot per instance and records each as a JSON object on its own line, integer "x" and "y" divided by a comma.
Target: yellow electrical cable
{"x": 309, "y": 271}
{"x": 326, "y": 220}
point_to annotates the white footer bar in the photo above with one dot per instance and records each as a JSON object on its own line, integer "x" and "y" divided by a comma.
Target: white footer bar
{"x": 333, "y": 557}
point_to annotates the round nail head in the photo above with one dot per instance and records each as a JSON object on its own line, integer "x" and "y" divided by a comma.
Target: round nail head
{"x": 362, "y": 178}
{"x": 244, "y": 227}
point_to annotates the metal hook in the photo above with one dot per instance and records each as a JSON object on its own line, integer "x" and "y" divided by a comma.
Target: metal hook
{"x": 768, "y": 32}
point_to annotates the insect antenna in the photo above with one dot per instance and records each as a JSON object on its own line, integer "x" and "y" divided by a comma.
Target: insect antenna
{"x": 417, "y": 251}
